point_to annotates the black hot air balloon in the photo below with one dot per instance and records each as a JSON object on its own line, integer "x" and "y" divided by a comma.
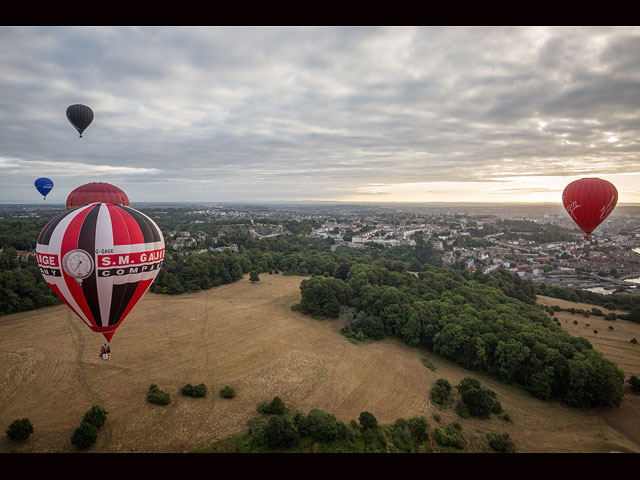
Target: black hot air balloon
{"x": 80, "y": 117}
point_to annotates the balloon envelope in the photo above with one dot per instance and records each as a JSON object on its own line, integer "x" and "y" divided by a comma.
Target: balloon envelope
{"x": 100, "y": 259}
{"x": 44, "y": 185}
{"x": 589, "y": 201}
{"x": 80, "y": 117}
{"x": 96, "y": 192}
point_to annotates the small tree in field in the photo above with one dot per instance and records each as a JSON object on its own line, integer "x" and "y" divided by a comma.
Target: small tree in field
{"x": 20, "y": 429}
{"x": 84, "y": 436}
{"x": 96, "y": 416}
{"x": 254, "y": 276}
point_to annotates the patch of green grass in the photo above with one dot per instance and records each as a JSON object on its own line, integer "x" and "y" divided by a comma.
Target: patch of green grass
{"x": 428, "y": 364}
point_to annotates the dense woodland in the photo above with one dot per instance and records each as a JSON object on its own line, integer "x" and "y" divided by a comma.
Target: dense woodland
{"x": 487, "y": 323}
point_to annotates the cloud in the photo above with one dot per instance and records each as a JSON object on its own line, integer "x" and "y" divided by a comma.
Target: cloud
{"x": 315, "y": 111}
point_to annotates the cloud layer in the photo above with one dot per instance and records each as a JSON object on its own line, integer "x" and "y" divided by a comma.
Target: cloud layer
{"x": 292, "y": 113}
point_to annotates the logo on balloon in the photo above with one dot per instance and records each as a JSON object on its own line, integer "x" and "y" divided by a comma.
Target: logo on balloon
{"x": 77, "y": 264}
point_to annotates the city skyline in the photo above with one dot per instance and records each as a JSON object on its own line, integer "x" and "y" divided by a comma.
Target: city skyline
{"x": 353, "y": 114}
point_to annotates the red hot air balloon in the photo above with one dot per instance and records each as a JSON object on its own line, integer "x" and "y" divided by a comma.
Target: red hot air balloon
{"x": 589, "y": 201}
{"x": 96, "y": 192}
{"x": 100, "y": 259}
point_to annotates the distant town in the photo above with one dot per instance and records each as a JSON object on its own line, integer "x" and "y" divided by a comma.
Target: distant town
{"x": 539, "y": 242}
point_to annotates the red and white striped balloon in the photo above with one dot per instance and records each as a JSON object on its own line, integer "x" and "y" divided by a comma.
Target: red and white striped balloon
{"x": 100, "y": 259}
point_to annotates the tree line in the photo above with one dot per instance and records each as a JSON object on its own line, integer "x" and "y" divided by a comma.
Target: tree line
{"x": 614, "y": 301}
{"x": 487, "y": 323}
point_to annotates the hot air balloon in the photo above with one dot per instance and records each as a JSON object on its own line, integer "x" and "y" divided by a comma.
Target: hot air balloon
{"x": 100, "y": 259}
{"x": 44, "y": 186}
{"x": 96, "y": 192}
{"x": 80, "y": 117}
{"x": 589, "y": 201}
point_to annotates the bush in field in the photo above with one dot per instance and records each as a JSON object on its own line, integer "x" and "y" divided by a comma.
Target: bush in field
{"x": 450, "y": 436}
{"x": 20, "y": 429}
{"x": 441, "y": 392}
{"x": 157, "y": 396}
{"x": 635, "y": 383}
{"x": 501, "y": 443}
{"x": 227, "y": 392}
{"x": 84, "y": 436}
{"x": 478, "y": 400}
{"x": 96, "y": 416}
{"x": 194, "y": 391}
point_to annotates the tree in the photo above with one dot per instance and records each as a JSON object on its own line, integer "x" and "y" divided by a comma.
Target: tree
{"x": 84, "y": 436}
{"x": 419, "y": 428}
{"x": 441, "y": 392}
{"x": 635, "y": 383}
{"x": 280, "y": 432}
{"x": 478, "y": 400}
{"x": 254, "y": 276}
{"x": 324, "y": 426}
{"x": 96, "y": 416}
{"x": 20, "y": 430}
{"x": 368, "y": 421}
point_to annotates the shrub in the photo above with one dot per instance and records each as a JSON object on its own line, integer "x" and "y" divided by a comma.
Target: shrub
{"x": 197, "y": 391}
{"x": 501, "y": 442}
{"x": 441, "y": 392}
{"x": 368, "y": 420}
{"x": 428, "y": 364}
{"x": 462, "y": 410}
{"x": 157, "y": 396}
{"x": 634, "y": 341}
{"x": 436, "y": 417}
{"x": 227, "y": 392}
{"x": 84, "y": 436}
{"x": 276, "y": 407}
{"x": 300, "y": 421}
{"x": 96, "y": 416}
{"x": 635, "y": 383}
{"x": 20, "y": 429}
{"x": 450, "y": 436}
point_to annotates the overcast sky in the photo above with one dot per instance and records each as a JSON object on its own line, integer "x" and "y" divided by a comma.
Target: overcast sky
{"x": 321, "y": 113}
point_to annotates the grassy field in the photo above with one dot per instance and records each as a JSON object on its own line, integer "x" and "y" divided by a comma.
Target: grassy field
{"x": 246, "y": 335}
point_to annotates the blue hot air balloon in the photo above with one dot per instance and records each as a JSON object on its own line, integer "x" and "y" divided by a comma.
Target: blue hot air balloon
{"x": 44, "y": 186}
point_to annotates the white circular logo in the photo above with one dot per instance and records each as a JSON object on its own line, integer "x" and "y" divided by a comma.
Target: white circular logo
{"x": 78, "y": 264}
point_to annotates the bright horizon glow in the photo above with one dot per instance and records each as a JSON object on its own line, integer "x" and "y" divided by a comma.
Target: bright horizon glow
{"x": 534, "y": 189}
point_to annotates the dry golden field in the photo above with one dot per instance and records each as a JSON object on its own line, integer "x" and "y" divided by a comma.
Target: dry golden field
{"x": 246, "y": 335}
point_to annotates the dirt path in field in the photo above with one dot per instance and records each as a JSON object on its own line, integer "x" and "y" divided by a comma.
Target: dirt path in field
{"x": 244, "y": 335}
